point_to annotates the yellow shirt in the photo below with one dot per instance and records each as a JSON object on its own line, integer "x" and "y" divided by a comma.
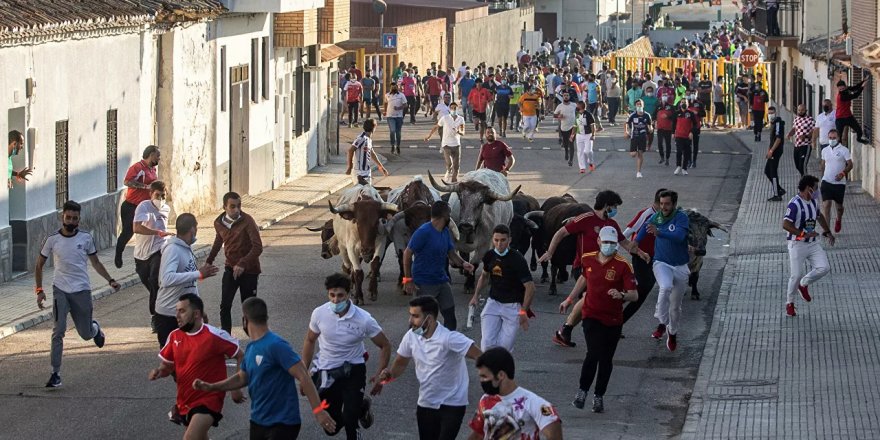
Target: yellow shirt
{"x": 528, "y": 104}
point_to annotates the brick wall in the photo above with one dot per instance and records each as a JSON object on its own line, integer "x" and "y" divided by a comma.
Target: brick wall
{"x": 421, "y": 43}
{"x": 334, "y": 21}
{"x": 863, "y": 26}
{"x": 296, "y": 29}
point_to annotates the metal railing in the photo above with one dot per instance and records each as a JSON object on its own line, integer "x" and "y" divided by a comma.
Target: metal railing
{"x": 786, "y": 19}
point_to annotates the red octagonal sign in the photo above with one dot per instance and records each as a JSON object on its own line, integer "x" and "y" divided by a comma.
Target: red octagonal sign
{"x": 749, "y": 57}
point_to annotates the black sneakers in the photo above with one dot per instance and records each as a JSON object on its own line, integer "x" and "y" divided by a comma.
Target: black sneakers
{"x": 99, "y": 338}
{"x": 54, "y": 381}
{"x": 598, "y": 404}
{"x": 366, "y": 418}
{"x": 580, "y": 399}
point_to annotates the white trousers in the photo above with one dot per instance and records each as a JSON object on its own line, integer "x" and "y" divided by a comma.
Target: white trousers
{"x": 584, "y": 150}
{"x": 800, "y": 253}
{"x": 530, "y": 123}
{"x": 499, "y": 323}
{"x": 672, "y": 281}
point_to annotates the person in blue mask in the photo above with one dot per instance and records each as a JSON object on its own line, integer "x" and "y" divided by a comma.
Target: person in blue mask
{"x": 510, "y": 292}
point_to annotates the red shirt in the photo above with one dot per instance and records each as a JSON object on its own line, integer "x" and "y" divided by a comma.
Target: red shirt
{"x": 353, "y": 91}
{"x": 200, "y": 355}
{"x": 647, "y": 243}
{"x": 760, "y": 97}
{"x": 843, "y": 109}
{"x": 493, "y": 155}
{"x": 685, "y": 122}
{"x": 587, "y": 226}
{"x": 478, "y": 98}
{"x": 616, "y": 273}
{"x": 356, "y": 72}
{"x": 141, "y": 172}
{"x": 664, "y": 118}
{"x": 435, "y": 86}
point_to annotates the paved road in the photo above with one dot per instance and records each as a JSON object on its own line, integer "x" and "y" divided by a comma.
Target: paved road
{"x": 106, "y": 393}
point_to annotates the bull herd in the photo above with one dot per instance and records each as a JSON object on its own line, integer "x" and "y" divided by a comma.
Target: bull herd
{"x": 367, "y": 220}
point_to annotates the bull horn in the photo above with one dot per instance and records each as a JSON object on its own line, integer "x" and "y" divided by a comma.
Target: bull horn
{"x": 389, "y": 207}
{"x": 315, "y": 229}
{"x": 534, "y": 214}
{"x": 531, "y": 224}
{"x": 506, "y": 198}
{"x": 453, "y": 230}
{"x": 338, "y": 209}
{"x": 443, "y": 188}
{"x": 716, "y": 225}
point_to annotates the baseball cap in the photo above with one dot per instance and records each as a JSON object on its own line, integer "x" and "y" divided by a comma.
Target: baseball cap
{"x": 608, "y": 233}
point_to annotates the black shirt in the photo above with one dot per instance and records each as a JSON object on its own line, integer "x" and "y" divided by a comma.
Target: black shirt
{"x": 508, "y": 274}
{"x": 638, "y": 124}
{"x": 777, "y": 131}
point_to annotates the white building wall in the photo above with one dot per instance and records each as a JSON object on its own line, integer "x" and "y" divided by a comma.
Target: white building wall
{"x": 821, "y": 15}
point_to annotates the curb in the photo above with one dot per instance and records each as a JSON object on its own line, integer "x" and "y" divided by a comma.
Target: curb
{"x": 41, "y": 316}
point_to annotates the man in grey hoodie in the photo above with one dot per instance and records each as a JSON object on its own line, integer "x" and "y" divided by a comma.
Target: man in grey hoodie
{"x": 178, "y": 274}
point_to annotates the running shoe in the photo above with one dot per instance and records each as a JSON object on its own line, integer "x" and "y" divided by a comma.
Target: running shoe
{"x": 694, "y": 164}
{"x": 789, "y": 309}
{"x": 366, "y": 418}
{"x": 583, "y": 171}
{"x": 99, "y": 338}
{"x": 776, "y": 198}
{"x": 592, "y": 168}
{"x": 805, "y": 293}
{"x": 677, "y": 171}
{"x": 671, "y": 343}
{"x": 598, "y": 404}
{"x": 684, "y": 172}
{"x": 54, "y": 381}
{"x": 638, "y": 175}
{"x": 560, "y": 340}
{"x": 661, "y": 161}
{"x": 174, "y": 416}
{"x": 837, "y": 226}
{"x": 580, "y": 399}
{"x": 658, "y": 333}
{"x": 667, "y": 162}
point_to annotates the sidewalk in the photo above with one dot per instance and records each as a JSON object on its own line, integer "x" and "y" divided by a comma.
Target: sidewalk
{"x": 18, "y": 306}
{"x": 765, "y": 375}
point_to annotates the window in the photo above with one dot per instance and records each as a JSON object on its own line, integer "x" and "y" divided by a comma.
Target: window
{"x": 299, "y": 98}
{"x": 307, "y": 102}
{"x": 255, "y": 69}
{"x": 867, "y": 106}
{"x": 265, "y": 66}
{"x": 223, "y": 80}
{"x": 112, "y": 164}
{"x": 782, "y": 84}
{"x": 61, "y": 145}
{"x": 821, "y": 96}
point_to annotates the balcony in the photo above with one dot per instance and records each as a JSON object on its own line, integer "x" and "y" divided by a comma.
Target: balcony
{"x": 788, "y": 18}
{"x": 270, "y": 6}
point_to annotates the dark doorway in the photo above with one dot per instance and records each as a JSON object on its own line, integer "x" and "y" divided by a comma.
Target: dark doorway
{"x": 546, "y": 22}
{"x": 239, "y": 147}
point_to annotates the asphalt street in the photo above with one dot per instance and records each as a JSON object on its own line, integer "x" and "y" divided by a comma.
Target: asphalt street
{"x": 106, "y": 393}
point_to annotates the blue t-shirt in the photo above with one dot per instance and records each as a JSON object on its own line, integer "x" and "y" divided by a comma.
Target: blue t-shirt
{"x": 671, "y": 244}
{"x": 274, "y": 397}
{"x": 430, "y": 260}
{"x": 592, "y": 92}
{"x": 466, "y": 84}
{"x": 503, "y": 94}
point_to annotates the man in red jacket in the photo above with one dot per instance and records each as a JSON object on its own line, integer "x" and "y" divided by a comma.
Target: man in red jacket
{"x": 239, "y": 234}
{"x": 685, "y": 125}
{"x": 844, "y": 115}
{"x": 665, "y": 121}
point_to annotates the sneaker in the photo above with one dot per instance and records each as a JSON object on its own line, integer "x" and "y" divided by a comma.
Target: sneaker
{"x": 54, "y": 381}
{"x": 592, "y": 168}
{"x": 863, "y": 141}
{"x": 677, "y": 171}
{"x": 174, "y": 416}
{"x": 671, "y": 343}
{"x": 837, "y": 226}
{"x": 598, "y": 404}
{"x": 560, "y": 340}
{"x": 789, "y": 309}
{"x": 667, "y": 162}
{"x": 775, "y": 199}
{"x": 658, "y": 333}
{"x": 694, "y": 164}
{"x": 580, "y": 399}
{"x": 99, "y": 338}
{"x": 153, "y": 324}
{"x": 531, "y": 140}
{"x": 366, "y": 418}
{"x": 661, "y": 161}
{"x": 805, "y": 292}
{"x": 638, "y": 175}
{"x": 781, "y": 191}
{"x": 684, "y": 172}
{"x": 583, "y": 171}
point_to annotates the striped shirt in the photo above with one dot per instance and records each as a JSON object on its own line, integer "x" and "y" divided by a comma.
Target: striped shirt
{"x": 363, "y": 160}
{"x": 802, "y": 214}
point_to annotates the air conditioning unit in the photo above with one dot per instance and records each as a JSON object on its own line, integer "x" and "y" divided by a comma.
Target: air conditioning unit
{"x": 849, "y": 46}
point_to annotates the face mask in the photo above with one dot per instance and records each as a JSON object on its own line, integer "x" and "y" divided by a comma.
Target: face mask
{"x": 827, "y": 108}
{"x": 663, "y": 99}
{"x": 611, "y": 212}
{"x": 832, "y": 142}
{"x": 421, "y": 330}
{"x": 640, "y": 109}
{"x": 69, "y": 228}
{"x": 339, "y": 307}
{"x": 683, "y": 107}
{"x": 649, "y": 94}
{"x": 394, "y": 90}
{"x": 501, "y": 254}
{"x": 771, "y": 115}
{"x": 608, "y": 249}
{"x": 158, "y": 204}
{"x": 489, "y": 388}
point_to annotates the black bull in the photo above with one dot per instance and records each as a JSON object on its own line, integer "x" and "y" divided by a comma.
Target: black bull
{"x": 699, "y": 231}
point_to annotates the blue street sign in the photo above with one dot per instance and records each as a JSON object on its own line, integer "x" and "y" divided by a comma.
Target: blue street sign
{"x": 389, "y": 41}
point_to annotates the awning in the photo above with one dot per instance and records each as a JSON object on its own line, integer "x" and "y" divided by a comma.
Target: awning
{"x": 331, "y": 52}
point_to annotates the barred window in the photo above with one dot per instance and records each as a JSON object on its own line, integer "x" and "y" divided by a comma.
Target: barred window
{"x": 112, "y": 152}
{"x": 61, "y": 174}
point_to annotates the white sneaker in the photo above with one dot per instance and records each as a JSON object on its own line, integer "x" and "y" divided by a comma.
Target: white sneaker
{"x": 638, "y": 175}
{"x": 677, "y": 171}
{"x": 684, "y": 172}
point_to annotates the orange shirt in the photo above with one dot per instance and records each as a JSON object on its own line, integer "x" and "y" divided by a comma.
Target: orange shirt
{"x": 528, "y": 104}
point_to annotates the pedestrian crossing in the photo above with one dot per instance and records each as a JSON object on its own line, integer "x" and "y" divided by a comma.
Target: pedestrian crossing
{"x": 527, "y": 148}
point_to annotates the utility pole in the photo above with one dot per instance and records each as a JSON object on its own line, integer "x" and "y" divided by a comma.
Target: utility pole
{"x": 617, "y": 26}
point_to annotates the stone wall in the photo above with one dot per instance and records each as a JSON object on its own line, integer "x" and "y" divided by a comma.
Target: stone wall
{"x": 494, "y": 39}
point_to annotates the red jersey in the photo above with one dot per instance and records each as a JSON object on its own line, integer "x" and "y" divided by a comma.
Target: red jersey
{"x": 141, "y": 172}
{"x": 435, "y": 86}
{"x": 353, "y": 91}
{"x": 759, "y": 98}
{"x": 199, "y": 355}
{"x": 617, "y": 274}
{"x": 478, "y": 99}
{"x": 665, "y": 118}
{"x": 685, "y": 124}
{"x": 697, "y": 109}
{"x": 647, "y": 243}
{"x": 587, "y": 226}
{"x": 668, "y": 92}
{"x": 356, "y": 73}
{"x": 494, "y": 154}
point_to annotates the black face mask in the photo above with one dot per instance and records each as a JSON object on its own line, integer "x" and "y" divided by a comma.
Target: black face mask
{"x": 489, "y": 388}
{"x": 802, "y": 114}
{"x": 827, "y": 108}
{"x": 69, "y": 228}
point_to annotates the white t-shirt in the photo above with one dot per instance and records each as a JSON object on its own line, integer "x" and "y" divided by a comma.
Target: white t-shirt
{"x": 825, "y": 123}
{"x": 567, "y": 111}
{"x": 450, "y": 125}
{"x": 549, "y": 83}
{"x": 395, "y": 100}
{"x": 363, "y": 159}
{"x": 835, "y": 162}
{"x": 341, "y": 339}
{"x": 521, "y": 414}
{"x": 442, "y": 109}
{"x": 71, "y": 258}
{"x": 440, "y": 366}
{"x": 157, "y": 219}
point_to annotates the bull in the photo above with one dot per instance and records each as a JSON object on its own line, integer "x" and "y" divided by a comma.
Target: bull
{"x": 537, "y": 217}
{"x": 700, "y": 229}
{"x": 413, "y": 200}
{"x": 522, "y": 230}
{"x": 552, "y": 219}
{"x": 360, "y": 232}
{"x": 479, "y": 201}
{"x": 329, "y": 245}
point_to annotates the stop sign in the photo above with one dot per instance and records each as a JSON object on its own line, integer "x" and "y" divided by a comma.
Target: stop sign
{"x": 749, "y": 57}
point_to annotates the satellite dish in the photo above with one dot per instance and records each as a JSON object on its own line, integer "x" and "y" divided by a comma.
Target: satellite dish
{"x": 380, "y": 6}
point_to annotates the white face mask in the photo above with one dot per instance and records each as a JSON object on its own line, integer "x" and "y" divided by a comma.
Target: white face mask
{"x": 832, "y": 142}
{"x": 158, "y": 203}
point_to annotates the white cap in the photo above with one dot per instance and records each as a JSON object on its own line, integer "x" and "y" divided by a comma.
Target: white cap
{"x": 608, "y": 233}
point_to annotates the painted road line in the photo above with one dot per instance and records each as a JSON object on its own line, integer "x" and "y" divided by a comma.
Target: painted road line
{"x": 414, "y": 146}
{"x": 433, "y": 147}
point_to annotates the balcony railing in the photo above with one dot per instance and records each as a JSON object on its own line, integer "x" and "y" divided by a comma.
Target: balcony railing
{"x": 787, "y": 21}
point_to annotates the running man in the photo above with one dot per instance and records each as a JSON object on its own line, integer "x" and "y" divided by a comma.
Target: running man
{"x": 239, "y": 235}
{"x": 804, "y": 246}
{"x": 439, "y": 355}
{"x": 362, "y": 149}
{"x": 825, "y": 122}
{"x": 511, "y": 290}
{"x": 759, "y": 98}
{"x": 565, "y": 113}
{"x": 835, "y": 165}
{"x": 642, "y": 270}
{"x": 503, "y": 94}
{"x": 372, "y": 92}
{"x": 151, "y": 228}
{"x": 197, "y": 350}
{"x": 478, "y": 99}
{"x": 585, "y": 134}
{"x": 495, "y": 155}
{"x": 637, "y": 127}
{"x": 339, "y": 371}
{"x": 684, "y": 127}
{"x": 528, "y": 106}
{"x": 71, "y": 249}
{"x": 507, "y": 409}
{"x": 774, "y": 154}
{"x": 665, "y": 123}
{"x": 451, "y": 128}
{"x": 698, "y": 109}
{"x": 270, "y": 371}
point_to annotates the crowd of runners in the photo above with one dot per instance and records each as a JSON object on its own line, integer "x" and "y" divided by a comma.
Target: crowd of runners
{"x": 331, "y": 367}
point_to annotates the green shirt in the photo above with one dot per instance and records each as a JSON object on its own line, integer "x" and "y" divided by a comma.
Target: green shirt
{"x": 518, "y": 90}
{"x": 680, "y": 93}
{"x": 10, "y": 167}
{"x": 650, "y": 105}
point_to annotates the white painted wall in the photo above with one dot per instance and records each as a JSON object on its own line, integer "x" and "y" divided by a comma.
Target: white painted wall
{"x": 820, "y": 16}
{"x": 77, "y": 80}
{"x": 574, "y": 18}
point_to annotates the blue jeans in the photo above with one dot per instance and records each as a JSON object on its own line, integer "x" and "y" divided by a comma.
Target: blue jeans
{"x": 394, "y": 126}
{"x": 466, "y": 108}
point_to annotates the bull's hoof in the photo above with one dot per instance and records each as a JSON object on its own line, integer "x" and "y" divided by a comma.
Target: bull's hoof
{"x": 562, "y": 277}
{"x": 533, "y": 266}
{"x": 695, "y": 296}
{"x": 374, "y": 296}
{"x": 545, "y": 279}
